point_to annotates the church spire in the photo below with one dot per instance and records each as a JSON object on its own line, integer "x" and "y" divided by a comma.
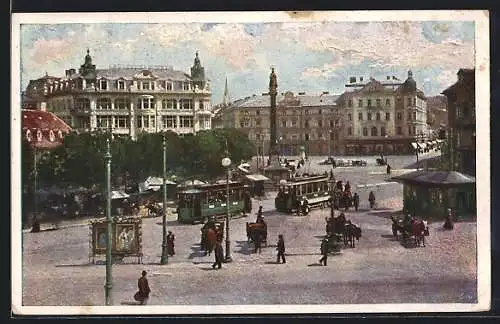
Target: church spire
{"x": 226, "y": 94}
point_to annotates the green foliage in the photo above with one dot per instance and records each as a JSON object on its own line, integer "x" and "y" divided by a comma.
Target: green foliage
{"x": 80, "y": 159}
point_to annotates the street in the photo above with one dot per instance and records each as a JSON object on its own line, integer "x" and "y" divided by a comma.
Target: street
{"x": 56, "y": 269}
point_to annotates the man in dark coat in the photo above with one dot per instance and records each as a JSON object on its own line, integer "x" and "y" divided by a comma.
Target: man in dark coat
{"x": 324, "y": 252}
{"x": 388, "y": 169}
{"x": 170, "y": 243}
{"x": 281, "y": 249}
{"x": 219, "y": 255}
{"x": 371, "y": 199}
{"x": 448, "y": 222}
{"x": 142, "y": 295}
{"x": 356, "y": 201}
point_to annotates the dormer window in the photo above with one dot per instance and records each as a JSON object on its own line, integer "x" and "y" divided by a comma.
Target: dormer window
{"x": 121, "y": 85}
{"x": 146, "y": 85}
{"x": 39, "y": 136}
{"x": 29, "y": 137}
{"x": 185, "y": 86}
{"x": 169, "y": 86}
{"x": 52, "y": 137}
{"x": 103, "y": 84}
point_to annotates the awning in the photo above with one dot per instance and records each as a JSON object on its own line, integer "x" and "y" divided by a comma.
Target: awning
{"x": 435, "y": 178}
{"x": 257, "y": 177}
{"x": 119, "y": 194}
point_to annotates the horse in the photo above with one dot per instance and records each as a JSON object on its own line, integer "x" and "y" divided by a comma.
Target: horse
{"x": 352, "y": 232}
{"x": 418, "y": 229}
{"x": 335, "y": 226}
{"x": 256, "y": 231}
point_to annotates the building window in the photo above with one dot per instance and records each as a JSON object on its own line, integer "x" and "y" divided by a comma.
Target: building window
{"x": 201, "y": 104}
{"x": 349, "y": 131}
{"x": 399, "y": 101}
{"x": 169, "y": 86}
{"x": 257, "y": 122}
{"x": 121, "y": 122}
{"x": 365, "y": 131}
{"x": 413, "y": 130}
{"x": 306, "y": 137}
{"x": 360, "y": 103}
{"x": 369, "y": 116}
{"x": 82, "y": 104}
{"x": 400, "y": 116}
{"x": 169, "y": 104}
{"x": 245, "y": 122}
{"x": 294, "y": 122}
{"x": 409, "y": 115}
{"x": 399, "y": 130}
{"x": 306, "y": 124}
{"x": 360, "y": 116}
{"x": 186, "y": 103}
{"x": 103, "y": 103}
{"x": 387, "y": 102}
{"x": 331, "y": 123}
{"x": 374, "y": 131}
{"x": 319, "y": 111}
{"x": 382, "y": 131}
{"x": 103, "y": 84}
{"x": 409, "y": 101}
{"x": 122, "y": 103}
{"x": 185, "y": 86}
{"x": 283, "y": 123}
{"x": 121, "y": 85}
{"x": 257, "y": 112}
{"x": 349, "y": 116}
{"x": 387, "y": 116}
{"x": 145, "y": 103}
{"x": 414, "y": 101}
{"x": 379, "y": 104}
{"x": 306, "y": 112}
{"x": 186, "y": 121}
{"x": 349, "y": 103}
{"x": 465, "y": 110}
{"x": 283, "y": 113}
{"x": 414, "y": 115}
{"x": 320, "y": 123}
{"x": 104, "y": 122}
{"x": 369, "y": 103}
{"x": 169, "y": 121}
{"x": 146, "y": 85}
{"x": 378, "y": 116}
{"x": 409, "y": 130}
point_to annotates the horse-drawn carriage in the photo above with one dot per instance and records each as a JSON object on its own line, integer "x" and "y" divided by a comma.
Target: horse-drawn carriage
{"x": 257, "y": 232}
{"x": 410, "y": 228}
{"x": 341, "y": 198}
{"x": 211, "y": 231}
{"x": 340, "y": 229}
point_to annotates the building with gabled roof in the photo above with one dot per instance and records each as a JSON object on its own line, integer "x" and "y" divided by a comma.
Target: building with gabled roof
{"x": 42, "y": 129}
{"x": 127, "y": 100}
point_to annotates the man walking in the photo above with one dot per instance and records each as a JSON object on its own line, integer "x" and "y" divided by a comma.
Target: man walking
{"x": 371, "y": 199}
{"x": 324, "y": 252}
{"x": 219, "y": 255}
{"x": 356, "y": 201}
{"x": 281, "y": 249}
{"x": 142, "y": 295}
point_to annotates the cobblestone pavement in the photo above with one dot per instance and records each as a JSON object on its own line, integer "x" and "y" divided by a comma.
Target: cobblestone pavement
{"x": 56, "y": 269}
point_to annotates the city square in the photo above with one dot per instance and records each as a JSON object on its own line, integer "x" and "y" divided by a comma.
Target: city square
{"x": 56, "y": 269}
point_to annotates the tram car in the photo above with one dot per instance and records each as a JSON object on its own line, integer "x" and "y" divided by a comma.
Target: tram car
{"x": 300, "y": 194}
{"x": 202, "y": 202}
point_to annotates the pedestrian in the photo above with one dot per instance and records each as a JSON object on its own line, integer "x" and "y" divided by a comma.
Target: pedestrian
{"x": 170, "y": 243}
{"x": 142, "y": 295}
{"x": 448, "y": 222}
{"x": 356, "y": 201}
{"x": 259, "y": 215}
{"x": 324, "y": 252}
{"x": 371, "y": 199}
{"x": 281, "y": 249}
{"x": 219, "y": 255}
{"x": 388, "y": 169}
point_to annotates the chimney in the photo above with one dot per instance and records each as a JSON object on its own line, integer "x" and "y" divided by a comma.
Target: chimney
{"x": 352, "y": 80}
{"x": 301, "y": 93}
{"x": 67, "y": 73}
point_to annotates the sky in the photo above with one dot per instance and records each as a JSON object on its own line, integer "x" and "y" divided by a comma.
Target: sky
{"x": 307, "y": 56}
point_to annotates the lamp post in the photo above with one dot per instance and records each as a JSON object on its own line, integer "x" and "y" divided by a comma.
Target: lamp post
{"x": 164, "y": 255}
{"x": 109, "y": 233}
{"x": 329, "y": 144}
{"x": 226, "y": 162}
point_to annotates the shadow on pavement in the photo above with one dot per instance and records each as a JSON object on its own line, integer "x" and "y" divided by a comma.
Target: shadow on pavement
{"x": 210, "y": 269}
{"x": 197, "y": 252}
{"x": 130, "y": 303}
{"x": 203, "y": 262}
{"x": 387, "y": 214}
{"x": 315, "y": 265}
{"x": 271, "y": 262}
{"x": 87, "y": 264}
{"x": 388, "y": 236}
{"x": 172, "y": 223}
{"x": 298, "y": 254}
{"x": 244, "y": 248}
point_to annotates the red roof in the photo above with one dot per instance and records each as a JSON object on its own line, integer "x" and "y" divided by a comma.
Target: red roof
{"x": 43, "y": 129}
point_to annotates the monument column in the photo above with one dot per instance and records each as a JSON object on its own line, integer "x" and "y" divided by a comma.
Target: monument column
{"x": 274, "y": 170}
{"x": 273, "y": 147}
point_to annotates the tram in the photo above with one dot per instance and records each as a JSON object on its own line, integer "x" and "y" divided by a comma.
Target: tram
{"x": 206, "y": 201}
{"x": 304, "y": 193}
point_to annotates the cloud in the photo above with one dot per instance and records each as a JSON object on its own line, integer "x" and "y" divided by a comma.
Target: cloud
{"x": 49, "y": 51}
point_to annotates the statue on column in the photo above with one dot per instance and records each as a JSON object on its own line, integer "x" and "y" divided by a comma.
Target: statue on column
{"x": 273, "y": 82}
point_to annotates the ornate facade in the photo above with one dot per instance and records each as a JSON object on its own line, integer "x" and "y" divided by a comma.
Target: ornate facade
{"x": 383, "y": 117}
{"x": 127, "y": 100}
{"x": 302, "y": 120}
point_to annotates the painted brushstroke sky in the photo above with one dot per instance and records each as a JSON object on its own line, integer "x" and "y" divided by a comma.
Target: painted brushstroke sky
{"x": 310, "y": 57}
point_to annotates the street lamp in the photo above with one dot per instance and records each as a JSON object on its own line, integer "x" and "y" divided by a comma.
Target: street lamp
{"x": 109, "y": 220}
{"x": 329, "y": 144}
{"x": 226, "y": 162}
{"x": 164, "y": 255}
